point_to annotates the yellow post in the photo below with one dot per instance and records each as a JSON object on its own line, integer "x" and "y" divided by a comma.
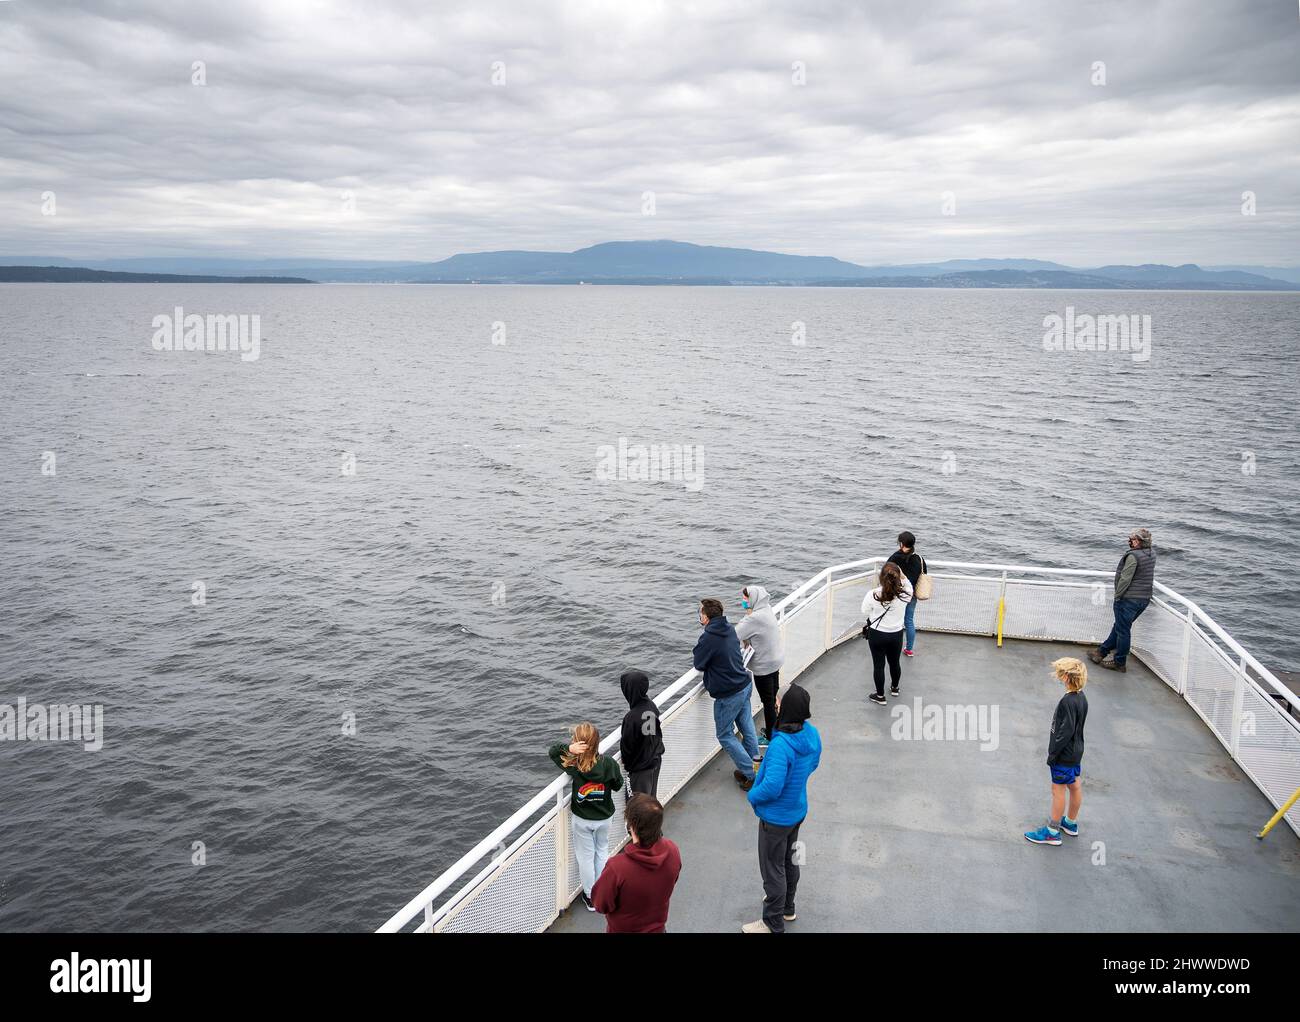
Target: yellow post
{"x": 1279, "y": 814}
{"x": 1002, "y": 609}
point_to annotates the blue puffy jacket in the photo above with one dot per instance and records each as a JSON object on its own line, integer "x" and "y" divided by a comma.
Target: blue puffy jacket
{"x": 780, "y": 792}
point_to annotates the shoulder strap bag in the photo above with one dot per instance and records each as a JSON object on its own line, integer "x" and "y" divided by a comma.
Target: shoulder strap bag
{"x": 924, "y": 587}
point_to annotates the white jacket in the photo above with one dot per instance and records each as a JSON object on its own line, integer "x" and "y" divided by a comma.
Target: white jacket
{"x": 887, "y": 617}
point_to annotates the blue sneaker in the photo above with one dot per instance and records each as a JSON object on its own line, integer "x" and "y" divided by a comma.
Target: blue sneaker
{"x": 1069, "y": 826}
{"x": 762, "y": 740}
{"x": 1043, "y": 836}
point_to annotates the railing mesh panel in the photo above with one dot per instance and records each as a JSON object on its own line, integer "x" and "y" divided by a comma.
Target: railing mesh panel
{"x": 1269, "y": 748}
{"x": 689, "y": 743}
{"x": 804, "y": 632}
{"x": 846, "y": 606}
{"x": 1064, "y": 613}
{"x": 961, "y": 605}
{"x": 1158, "y": 641}
{"x": 1210, "y": 685}
{"x": 518, "y": 899}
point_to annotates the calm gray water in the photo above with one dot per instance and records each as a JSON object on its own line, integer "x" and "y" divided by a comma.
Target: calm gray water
{"x": 372, "y": 594}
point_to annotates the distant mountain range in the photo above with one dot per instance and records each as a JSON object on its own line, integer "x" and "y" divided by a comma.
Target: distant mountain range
{"x": 676, "y": 262}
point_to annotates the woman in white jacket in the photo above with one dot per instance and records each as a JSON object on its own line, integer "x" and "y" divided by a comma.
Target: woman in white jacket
{"x": 760, "y": 629}
{"x": 885, "y": 608}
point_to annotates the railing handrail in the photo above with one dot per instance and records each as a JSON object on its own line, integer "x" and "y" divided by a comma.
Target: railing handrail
{"x": 692, "y": 679}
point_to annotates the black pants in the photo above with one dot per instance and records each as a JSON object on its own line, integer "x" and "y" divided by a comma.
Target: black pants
{"x": 645, "y": 782}
{"x": 780, "y": 872}
{"x": 885, "y": 645}
{"x": 768, "y": 685}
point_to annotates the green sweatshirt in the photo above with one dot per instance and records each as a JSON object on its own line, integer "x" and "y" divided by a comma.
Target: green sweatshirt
{"x": 593, "y": 792}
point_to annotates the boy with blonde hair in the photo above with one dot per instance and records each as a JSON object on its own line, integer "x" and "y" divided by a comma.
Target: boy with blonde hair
{"x": 1065, "y": 753}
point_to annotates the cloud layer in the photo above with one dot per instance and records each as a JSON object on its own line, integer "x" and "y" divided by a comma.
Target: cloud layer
{"x": 414, "y": 130}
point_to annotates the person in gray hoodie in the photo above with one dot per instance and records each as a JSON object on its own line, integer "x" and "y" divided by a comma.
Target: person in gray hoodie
{"x": 761, "y": 631}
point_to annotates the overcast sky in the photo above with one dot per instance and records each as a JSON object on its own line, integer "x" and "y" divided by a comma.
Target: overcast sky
{"x": 605, "y": 100}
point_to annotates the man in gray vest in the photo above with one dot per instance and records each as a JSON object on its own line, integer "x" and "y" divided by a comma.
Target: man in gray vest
{"x": 1134, "y": 585}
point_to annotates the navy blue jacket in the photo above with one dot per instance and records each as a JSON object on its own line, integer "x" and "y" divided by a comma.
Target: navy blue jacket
{"x": 719, "y": 659}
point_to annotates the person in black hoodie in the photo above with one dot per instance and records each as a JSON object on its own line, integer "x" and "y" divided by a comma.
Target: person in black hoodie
{"x": 643, "y": 742}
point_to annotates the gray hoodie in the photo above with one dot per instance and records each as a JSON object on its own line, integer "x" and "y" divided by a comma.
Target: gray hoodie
{"x": 763, "y": 632}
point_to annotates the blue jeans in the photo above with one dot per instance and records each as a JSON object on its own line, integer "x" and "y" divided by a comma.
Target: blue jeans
{"x": 735, "y": 709}
{"x": 909, "y": 622}
{"x": 591, "y": 849}
{"x": 1126, "y": 612}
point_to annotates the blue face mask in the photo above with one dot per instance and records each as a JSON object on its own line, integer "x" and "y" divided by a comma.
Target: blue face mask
{"x": 744, "y": 604}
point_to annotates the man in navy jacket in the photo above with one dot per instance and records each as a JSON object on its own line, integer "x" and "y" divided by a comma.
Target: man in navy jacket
{"x": 719, "y": 659}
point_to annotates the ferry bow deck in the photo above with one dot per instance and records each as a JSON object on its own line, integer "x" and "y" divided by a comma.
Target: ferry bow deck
{"x": 926, "y": 835}
{"x": 1187, "y": 756}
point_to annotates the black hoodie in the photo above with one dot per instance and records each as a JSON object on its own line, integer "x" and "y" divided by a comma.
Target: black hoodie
{"x": 643, "y": 742}
{"x": 796, "y": 708}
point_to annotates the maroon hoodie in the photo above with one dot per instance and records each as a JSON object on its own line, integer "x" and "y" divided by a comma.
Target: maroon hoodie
{"x": 634, "y": 889}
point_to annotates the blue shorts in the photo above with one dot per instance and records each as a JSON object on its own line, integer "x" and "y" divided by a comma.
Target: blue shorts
{"x": 1065, "y": 774}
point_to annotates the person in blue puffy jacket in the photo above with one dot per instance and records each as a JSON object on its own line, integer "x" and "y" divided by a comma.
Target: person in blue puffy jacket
{"x": 780, "y": 800}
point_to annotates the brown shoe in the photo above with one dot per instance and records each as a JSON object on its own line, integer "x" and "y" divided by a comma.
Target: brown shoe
{"x": 1110, "y": 665}
{"x": 1096, "y": 656}
{"x": 745, "y": 782}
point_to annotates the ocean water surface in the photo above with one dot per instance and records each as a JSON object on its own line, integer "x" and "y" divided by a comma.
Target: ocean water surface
{"x": 473, "y": 584}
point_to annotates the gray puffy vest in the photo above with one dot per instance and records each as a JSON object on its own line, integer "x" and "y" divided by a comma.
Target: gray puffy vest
{"x": 1143, "y": 585}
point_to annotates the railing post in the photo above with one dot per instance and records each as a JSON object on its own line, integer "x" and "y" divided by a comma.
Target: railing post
{"x": 428, "y": 917}
{"x": 1238, "y": 697}
{"x": 1002, "y": 605}
{"x": 561, "y": 852}
{"x": 830, "y": 613}
{"x": 1185, "y": 665}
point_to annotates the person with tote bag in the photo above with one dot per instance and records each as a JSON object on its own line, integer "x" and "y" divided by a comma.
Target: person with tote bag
{"x": 885, "y": 607}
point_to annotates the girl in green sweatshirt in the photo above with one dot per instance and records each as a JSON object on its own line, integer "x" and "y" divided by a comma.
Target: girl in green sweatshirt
{"x": 595, "y": 779}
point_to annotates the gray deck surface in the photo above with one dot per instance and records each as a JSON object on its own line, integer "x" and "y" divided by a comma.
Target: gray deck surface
{"x": 926, "y": 835}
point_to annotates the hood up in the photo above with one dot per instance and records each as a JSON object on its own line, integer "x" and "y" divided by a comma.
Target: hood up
{"x": 635, "y": 685}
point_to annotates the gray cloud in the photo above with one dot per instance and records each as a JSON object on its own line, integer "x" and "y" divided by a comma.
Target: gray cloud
{"x": 607, "y": 99}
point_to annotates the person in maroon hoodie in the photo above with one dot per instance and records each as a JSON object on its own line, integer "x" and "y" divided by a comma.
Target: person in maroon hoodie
{"x": 634, "y": 889}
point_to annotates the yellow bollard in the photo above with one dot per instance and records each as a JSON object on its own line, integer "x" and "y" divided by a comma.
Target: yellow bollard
{"x": 1002, "y": 609}
{"x": 1279, "y": 814}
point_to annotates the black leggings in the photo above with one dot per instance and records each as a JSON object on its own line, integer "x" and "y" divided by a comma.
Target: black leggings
{"x": 885, "y": 645}
{"x": 768, "y": 685}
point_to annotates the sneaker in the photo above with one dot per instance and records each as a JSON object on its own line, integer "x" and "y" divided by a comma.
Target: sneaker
{"x": 1096, "y": 655}
{"x": 763, "y": 741}
{"x": 1111, "y": 664}
{"x": 789, "y": 917}
{"x": 745, "y": 782}
{"x": 877, "y": 699}
{"x": 1070, "y": 827}
{"x": 908, "y": 652}
{"x": 894, "y": 691}
{"x": 757, "y": 926}
{"x": 587, "y": 901}
{"x": 1043, "y": 836}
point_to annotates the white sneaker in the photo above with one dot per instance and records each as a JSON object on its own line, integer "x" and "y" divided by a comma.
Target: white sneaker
{"x": 757, "y": 926}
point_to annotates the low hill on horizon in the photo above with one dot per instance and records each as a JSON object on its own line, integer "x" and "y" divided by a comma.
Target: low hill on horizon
{"x": 663, "y": 262}
{"x": 84, "y": 275}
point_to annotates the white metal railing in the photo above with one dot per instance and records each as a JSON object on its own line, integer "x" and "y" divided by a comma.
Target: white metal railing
{"x": 522, "y": 875}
